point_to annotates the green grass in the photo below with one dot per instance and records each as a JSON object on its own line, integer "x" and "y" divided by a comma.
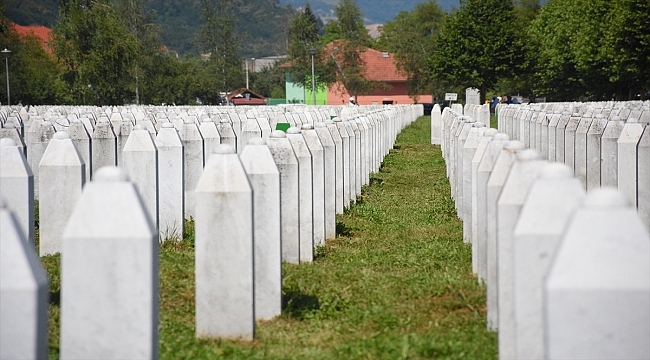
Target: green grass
{"x": 396, "y": 283}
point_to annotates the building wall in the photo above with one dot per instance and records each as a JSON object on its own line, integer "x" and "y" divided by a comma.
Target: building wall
{"x": 297, "y": 94}
{"x": 395, "y": 92}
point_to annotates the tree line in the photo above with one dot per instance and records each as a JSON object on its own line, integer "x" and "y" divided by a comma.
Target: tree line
{"x": 109, "y": 52}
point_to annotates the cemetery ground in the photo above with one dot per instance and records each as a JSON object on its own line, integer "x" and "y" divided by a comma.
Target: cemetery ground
{"x": 396, "y": 283}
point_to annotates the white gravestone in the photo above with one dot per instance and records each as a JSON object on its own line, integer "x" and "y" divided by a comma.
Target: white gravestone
{"x": 17, "y": 186}
{"x": 436, "y": 122}
{"x": 109, "y": 274}
{"x": 24, "y": 294}
{"x": 63, "y": 176}
{"x": 210, "y": 135}
{"x": 338, "y": 146}
{"x": 352, "y": 141}
{"x": 547, "y": 209}
{"x": 122, "y": 131}
{"x": 224, "y": 249}
{"x": 318, "y": 181}
{"x": 481, "y": 148}
{"x": 193, "y": 162}
{"x": 471, "y": 143}
{"x": 498, "y": 176}
{"x": 140, "y": 160}
{"x": 593, "y": 151}
{"x": 472, "y": 96}
{"x": 597, "y": 292}
{"x": 643, "y": 185}
{"x": 81, "y": 139}
{"x": 287, "y": 162}
{"x": 264, "y": 178}
{"x": 44, "y": 134}
{"x": 329, "y": 160}
{"x": 345, "y": 148}
{"x": 358, "y": 155}
{"x": 170, "y": 182}
{"x": 609, "y": 152}
{"x": 581, "y": 149}
{"x": 104, "y": 146}
{"x": 305, "y": 192}
{"x": 227, "y": 133}
{"x": 522, "y": 173}
{"x": 627, "y": 157}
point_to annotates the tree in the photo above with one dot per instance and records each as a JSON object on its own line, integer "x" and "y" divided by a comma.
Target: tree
{"x": 476, "y": 46}
{"x": 218, "y": 38}
{"x": 411, "y": 38}
{"x": 140, "y": 23}
{"x": 349, "y": 38}
{"x": 96, "y": 50}
{"x": 303, "y": 36}
{"x": 596, "y": 48}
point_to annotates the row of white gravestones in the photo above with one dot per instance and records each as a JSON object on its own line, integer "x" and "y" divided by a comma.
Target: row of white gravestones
{"x": 240, "y": 196}
{"x": 601, "y": 147}
{"x": 567, "y": 274}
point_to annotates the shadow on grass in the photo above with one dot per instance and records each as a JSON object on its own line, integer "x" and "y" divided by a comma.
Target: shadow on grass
{"x": 296, "y": 304}
{"x": 55, "y": 298}
{"x": 342, "y": 230}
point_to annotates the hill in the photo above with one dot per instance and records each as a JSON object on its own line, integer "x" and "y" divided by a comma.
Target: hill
{"x": 374, "y": 11}
{"x": 261, "y": 23}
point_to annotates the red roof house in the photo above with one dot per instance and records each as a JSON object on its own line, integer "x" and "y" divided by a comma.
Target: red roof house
{"x": 379, "y": 66}
{"x": 245, "y": 96}
{"x": 40, "y": 32}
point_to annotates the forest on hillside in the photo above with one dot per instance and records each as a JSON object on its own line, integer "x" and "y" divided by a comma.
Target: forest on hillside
{"x": 261, "y": 24}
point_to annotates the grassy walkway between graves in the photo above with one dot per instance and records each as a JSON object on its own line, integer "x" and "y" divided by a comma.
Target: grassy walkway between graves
{"x": 396, "y": 283}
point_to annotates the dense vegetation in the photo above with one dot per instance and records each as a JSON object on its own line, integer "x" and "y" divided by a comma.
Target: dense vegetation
{"x": 116, "y": 51}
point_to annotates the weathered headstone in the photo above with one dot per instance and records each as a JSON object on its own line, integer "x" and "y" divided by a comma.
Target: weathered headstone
{"x": 609, "y": 152}
{"x": 17, "y": 186}
{"x": 643, "y": 185}
{"x": 193, "y": 162}
{"x": 318, "y": 181}
{"x": 593, "y": 151}
{"x": 523, "y": 172}
{"x": 287, "y": 162}
{"x": 170, "y": 183}
{"x": 627, "y": 158}
{"x": 224, "y": 249}
{"x": 306, "y": 194}
{"x": 597, "y": 292}
{"x": 338, "y": 146}
{"x": 109, "y": 274}
{"x": 264, "y": 178}
{"x": 329, "y": 160}
{"x": 547, "y": 209}
{"x": 104, "y": 146}
{"x": 63, "y": 176}
{"x": 498, "y": 176}
{"x": 140, "y": 160}
{"x": 24, "y": 294}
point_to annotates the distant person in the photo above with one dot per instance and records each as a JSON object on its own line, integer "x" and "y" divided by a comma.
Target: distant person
{"x": 352, "y": 102}
{"x": 515, "y": 100}
{"x": 508, "y": 100}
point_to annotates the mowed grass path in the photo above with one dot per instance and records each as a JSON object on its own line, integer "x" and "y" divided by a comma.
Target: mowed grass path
{"x": 396, "y": 283}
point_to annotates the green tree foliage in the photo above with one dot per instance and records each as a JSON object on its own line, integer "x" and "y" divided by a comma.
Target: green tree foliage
{"x": 349, "y": 39}
{"x": 141, "y": 24}
{"x": 33, "y": 73}
{"x": 97, "y": 52}
{"x": 218, "y": 39}
{"x": 593, "y": 47}
{"x": 269, "y": 82}
{"x": 411, "y": 38}
{"x": 477, "y": 45}
{"x": 303, "y": 37}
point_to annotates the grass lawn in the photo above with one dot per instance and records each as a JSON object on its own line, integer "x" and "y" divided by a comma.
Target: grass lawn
{"x": 396, "y": 283}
